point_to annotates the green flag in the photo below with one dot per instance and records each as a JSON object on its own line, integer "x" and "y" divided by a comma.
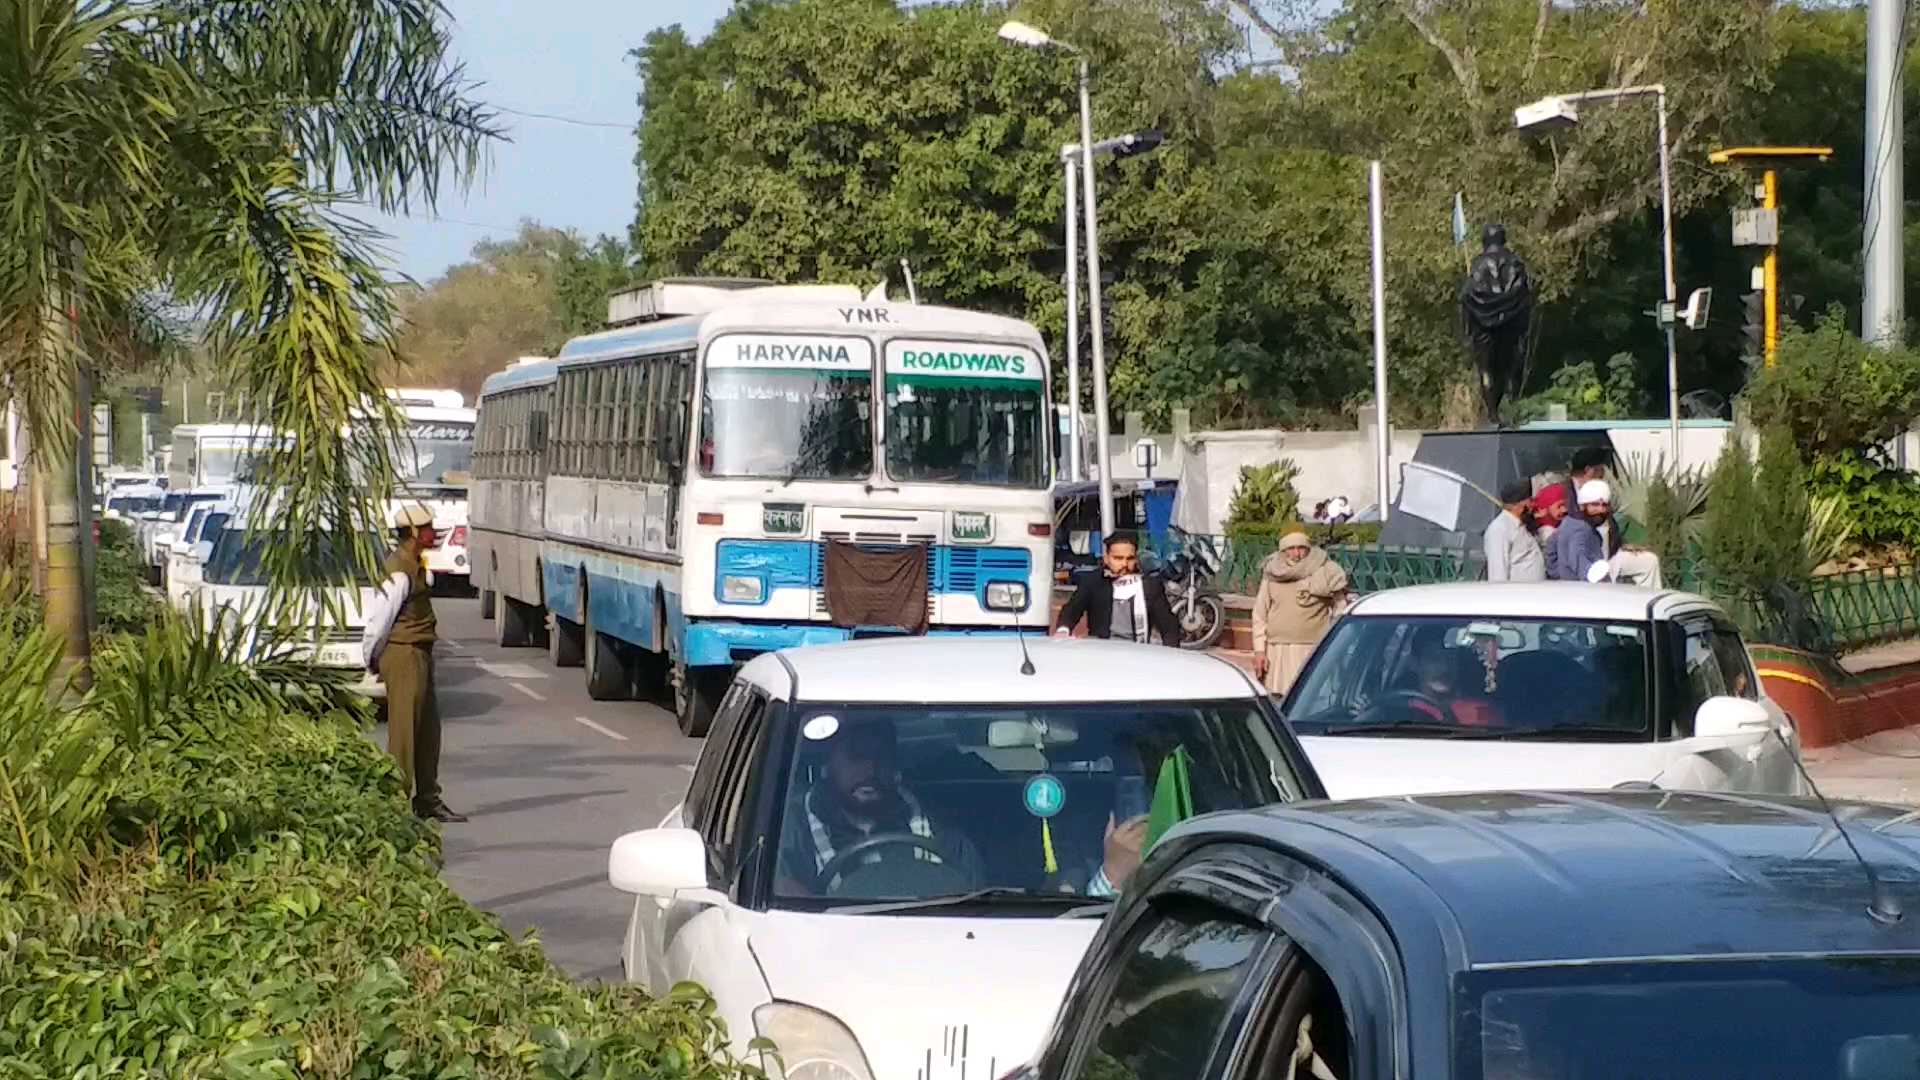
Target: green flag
{"x": 1172, "y": 796}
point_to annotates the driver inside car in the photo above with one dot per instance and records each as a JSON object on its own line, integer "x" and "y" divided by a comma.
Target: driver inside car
{"x": 859, "y": 798}
{"x": 1438, "y": 696}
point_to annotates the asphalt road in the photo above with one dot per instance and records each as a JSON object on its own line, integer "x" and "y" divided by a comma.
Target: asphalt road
{"x": 549, "y": 778}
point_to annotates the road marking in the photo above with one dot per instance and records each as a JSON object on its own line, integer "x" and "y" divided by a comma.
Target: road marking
{"x": 608, "y": 732}
{"x": 534, "y": 694}
{"x": 510, "y": 671}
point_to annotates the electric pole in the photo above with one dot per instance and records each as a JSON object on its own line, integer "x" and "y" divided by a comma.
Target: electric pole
{"x": 1882, "y": 319}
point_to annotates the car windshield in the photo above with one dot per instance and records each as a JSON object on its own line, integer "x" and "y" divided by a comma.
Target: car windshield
{"x": 1841, "y": 1017}
{"x": 911, "y": 802}
{"x": 184, "y": 508}
{"x": 437, "y": 453}
{"x": 134, "y": 504}
{"x": 1472, "y": 677}
{"x": 966, "y": 413}
{"x": 239, "y": 557}
{"x": 795, "y": 408}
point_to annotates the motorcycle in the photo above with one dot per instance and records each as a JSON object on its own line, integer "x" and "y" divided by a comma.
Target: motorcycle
{"x": 1189, "y": 573}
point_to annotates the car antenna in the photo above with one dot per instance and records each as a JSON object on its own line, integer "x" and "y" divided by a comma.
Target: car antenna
{"x": 1020, "y": 633}
{"x": 1882, "y": 906}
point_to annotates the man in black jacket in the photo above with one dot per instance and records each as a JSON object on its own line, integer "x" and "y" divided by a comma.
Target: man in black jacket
{"x": 1120, "y": 602}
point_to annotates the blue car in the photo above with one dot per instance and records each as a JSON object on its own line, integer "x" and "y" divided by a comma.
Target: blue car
{"x": 1546, "y": 936}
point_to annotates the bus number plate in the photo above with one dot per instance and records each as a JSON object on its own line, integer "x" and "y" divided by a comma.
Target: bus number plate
{"x": 784, "y": 518}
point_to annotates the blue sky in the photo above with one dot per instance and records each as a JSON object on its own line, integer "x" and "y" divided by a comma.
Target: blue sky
{"x": 560, "y": 57}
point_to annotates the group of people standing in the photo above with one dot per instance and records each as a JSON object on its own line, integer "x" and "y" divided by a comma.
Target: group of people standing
{"x": 1566, "y": 531}
{"x": 1302, "y": 591}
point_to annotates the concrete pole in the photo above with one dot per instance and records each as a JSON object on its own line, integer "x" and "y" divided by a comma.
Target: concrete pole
{"x": 1666, "y": 233}
{"x": 1883, "y": 294}
{"x": 1101, "y": 452}
{"x": 1384, "y": 447}
{"x": 1076, "y": 468}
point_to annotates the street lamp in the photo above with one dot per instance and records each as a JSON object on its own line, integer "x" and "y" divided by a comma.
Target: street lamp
{"x": 1129, "y": 145}
{"x": 1561, "y": 111}
{"x": 1030, "y": 37}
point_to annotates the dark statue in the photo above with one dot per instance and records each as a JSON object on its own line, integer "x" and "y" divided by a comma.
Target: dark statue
{"x": 1496, "y": 306}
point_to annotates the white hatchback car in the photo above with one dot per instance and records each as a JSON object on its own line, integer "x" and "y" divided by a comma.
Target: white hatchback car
{"x": 232, "y": 576}
{"x": 1560, "y": 685}
{"x": 886, "y": 843}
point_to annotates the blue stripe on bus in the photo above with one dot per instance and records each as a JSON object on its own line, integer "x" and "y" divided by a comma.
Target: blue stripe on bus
{"x": 624, "y": 594}
{"x": 802, "y": 564}
{"x": 630, "y": 342}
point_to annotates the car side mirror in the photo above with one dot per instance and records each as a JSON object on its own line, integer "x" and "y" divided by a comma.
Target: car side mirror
{"x": 659, "y": 862}
{"x": 1730, "y": 717}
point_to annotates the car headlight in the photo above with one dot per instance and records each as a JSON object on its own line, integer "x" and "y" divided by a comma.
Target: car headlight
{"x": 742, "y": 589}
{"x": 812, "y": 1045}
{"x": 1006, "y": 596}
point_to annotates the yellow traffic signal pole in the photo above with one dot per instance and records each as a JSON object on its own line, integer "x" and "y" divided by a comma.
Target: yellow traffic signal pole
{"x": 1768, "y": 157}
{"x": 1770, "y": 274}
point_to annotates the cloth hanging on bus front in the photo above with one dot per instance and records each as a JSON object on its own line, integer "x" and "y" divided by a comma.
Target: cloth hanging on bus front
{"x": 878, "y": 586}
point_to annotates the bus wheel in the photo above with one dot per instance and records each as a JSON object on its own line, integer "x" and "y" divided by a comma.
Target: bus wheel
{"x": 487, "y": 603}
{"x": 566, "y": 642}
{"x": 696, "y": 693}
{"x": 513, "y": 628}
{"x": 609, "y": 676}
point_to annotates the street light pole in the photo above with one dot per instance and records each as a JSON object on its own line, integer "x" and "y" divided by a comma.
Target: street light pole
{"x": 1102, "y": 454}
{"x": 1562, "y": 110}
{"x": 1666, "y": 310}
{"x": 1076, "y": 468}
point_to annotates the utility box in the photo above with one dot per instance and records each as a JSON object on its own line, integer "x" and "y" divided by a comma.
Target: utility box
{"x": 1756, "y": 226}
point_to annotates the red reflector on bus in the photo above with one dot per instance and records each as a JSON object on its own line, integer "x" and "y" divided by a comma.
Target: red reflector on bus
{"x": 1039, "y": 528}
{"x": 710, "y": 518}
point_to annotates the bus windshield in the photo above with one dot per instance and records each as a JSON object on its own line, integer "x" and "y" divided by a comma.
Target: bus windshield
{"x": 788, "y": 408}
{"x": 436, "y": 452}
{"x": 966, "y": 413}
{"x": 223, "y": 464}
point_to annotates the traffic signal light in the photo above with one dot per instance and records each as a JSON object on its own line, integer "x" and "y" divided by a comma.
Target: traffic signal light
{"x": 1753, "y": 323}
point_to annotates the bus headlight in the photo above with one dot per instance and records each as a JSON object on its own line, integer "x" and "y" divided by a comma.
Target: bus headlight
{"x": 1006, "y": 596}
{"x": 813, "y": 1045}
{"x": 742, "y": 589}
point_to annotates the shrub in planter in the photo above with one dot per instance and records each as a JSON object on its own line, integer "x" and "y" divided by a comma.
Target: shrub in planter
{"x": 1265, "y": 503}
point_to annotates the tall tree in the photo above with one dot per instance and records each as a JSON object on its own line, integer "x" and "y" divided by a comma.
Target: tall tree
{"x": 515, "y": 297}
{"x": 167, "y": 155}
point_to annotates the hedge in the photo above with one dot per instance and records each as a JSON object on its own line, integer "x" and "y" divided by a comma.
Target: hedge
{"x": 207, "y": 871}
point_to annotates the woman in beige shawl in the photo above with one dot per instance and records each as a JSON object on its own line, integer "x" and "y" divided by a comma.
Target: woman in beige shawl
{"x": 1301, "y": 592}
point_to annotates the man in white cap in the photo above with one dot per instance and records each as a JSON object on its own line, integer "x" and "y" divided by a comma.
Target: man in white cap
{"x": 399, "y": 645}
{"x": 1577, "y": 546}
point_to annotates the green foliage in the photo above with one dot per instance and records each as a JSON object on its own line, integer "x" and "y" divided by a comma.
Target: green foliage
{"x": 1758, "y": 543}
{"x": 219, "y": 876}
{"x": 1587, "y": 396}
{"x": 1265, "y": 502}
{"x": 1735, "y": 539}
{"x": 1668, "y": 509}
{"x": 176, "y": 156}
{"x": 122, "y": 603}
{"x": 517, "y": 297}
{"x": 1665, "y": 522}
{"x": 1836, "y": 394}
{"x": 1882, "y": 503}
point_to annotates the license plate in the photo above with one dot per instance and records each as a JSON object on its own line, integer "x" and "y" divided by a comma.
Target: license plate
{"x": 339, "y": 656}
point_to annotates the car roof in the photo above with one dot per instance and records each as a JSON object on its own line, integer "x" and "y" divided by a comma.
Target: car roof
{"x": 986, "y": 670}
{"x": 1547, "y": 599}
{"x": 1520, "y": 878}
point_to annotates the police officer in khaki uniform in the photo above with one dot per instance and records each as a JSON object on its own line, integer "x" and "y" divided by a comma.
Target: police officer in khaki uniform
{"x": 399, "y": 645}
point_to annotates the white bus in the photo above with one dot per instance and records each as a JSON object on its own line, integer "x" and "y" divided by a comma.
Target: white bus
{"x": 214, "y": 455}
{"x": 509, "y": 499}
{"x": 433, "y": 464}
{"x": 693, "y": 470}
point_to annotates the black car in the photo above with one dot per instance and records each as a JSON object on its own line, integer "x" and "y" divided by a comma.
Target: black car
{"x": 1545, "y": 936}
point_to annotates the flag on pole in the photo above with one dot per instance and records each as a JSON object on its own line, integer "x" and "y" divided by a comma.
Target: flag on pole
{"x": 1459, "y": 219}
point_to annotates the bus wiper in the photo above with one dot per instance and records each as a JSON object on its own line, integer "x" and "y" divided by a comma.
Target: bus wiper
{"x": 956, "y": 899}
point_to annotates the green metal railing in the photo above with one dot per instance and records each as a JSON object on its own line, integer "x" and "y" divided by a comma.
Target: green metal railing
{"x": 1832, "y": 613}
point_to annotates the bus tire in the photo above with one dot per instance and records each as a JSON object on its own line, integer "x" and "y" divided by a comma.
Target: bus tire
{"x": 696, "y": 694}
{"x": 513, "y": 629}
{"x": 488, "y": 603}
{"x": 566, "y": 642}
{"x": 609, "y": 676}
